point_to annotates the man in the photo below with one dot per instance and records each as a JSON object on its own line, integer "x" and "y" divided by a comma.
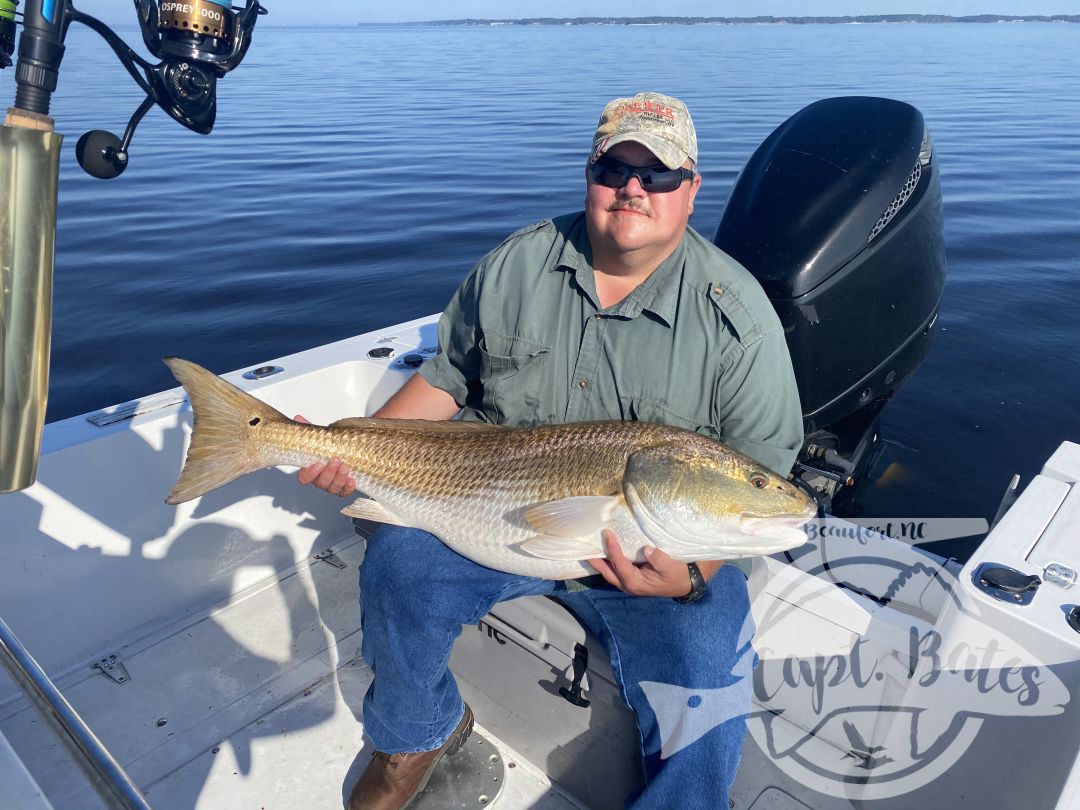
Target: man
{"x": 619, "y": 312}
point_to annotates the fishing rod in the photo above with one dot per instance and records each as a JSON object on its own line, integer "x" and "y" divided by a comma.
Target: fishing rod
{"x": 196, "y": 42}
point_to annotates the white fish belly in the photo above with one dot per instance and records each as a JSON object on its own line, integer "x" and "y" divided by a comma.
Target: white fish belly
{"x": 489, "y": 531}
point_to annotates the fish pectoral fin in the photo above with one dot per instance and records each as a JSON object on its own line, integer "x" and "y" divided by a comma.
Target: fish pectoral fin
{"x": 572, "y": 517}
{"x": 547, "y": 547}
{"x": 367, "y": 509}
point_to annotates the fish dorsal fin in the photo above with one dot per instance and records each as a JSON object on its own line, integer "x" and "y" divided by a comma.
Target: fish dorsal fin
{"x": 547, "y": 547}
{"x": 573, "y": 517}
{"x": 430, "y": 425}
{"x": 367, "y": 509}
{"x": 350, "y": 422}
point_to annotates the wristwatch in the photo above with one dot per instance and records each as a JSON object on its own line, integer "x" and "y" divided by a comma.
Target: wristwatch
{"x": 697, "y": 585}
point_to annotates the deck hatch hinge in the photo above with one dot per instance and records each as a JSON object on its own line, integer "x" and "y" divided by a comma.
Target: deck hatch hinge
{"x": 113, "y": 668}
{"x": 329, "y": 556}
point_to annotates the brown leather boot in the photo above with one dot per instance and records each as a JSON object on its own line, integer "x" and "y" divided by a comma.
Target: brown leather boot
{"x": 392, "y": 781}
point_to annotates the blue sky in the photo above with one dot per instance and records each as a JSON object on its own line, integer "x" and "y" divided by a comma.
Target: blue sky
{"x": 350, "y": 12}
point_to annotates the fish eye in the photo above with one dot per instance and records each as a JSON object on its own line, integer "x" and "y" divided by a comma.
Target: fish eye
{"x": 759, "y": 480}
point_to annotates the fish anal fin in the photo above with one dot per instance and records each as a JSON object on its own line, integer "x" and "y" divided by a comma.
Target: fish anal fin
{"x": 367, "y": 509}
{"x": 572, "y": 517}
{"x": 548, "y": 547}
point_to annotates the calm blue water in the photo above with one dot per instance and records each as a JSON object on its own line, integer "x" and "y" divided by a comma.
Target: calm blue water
{"x": 356, "y": 174}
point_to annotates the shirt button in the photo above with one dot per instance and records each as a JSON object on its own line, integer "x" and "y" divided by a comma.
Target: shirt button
{"x": 718, "y": 290}
{"x": 583, "y": 383}
{"x": 597, "y": 316}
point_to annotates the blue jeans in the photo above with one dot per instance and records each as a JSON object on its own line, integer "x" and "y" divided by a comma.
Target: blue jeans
{"x": 416, "y": 594}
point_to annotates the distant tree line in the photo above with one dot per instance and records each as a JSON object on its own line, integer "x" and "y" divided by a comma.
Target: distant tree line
{"x": 867, "y": 18}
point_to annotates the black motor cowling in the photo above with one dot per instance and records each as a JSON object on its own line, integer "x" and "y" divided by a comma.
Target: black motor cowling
{"x": 838, "y": 216}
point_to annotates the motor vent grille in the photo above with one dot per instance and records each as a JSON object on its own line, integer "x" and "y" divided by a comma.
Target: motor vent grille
{"x": 898, "y": 201}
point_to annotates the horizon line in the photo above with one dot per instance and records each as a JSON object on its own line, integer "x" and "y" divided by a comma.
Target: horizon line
{"x": 977, "y": 17}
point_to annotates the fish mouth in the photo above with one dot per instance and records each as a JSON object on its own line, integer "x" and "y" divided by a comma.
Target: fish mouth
{"x": 784, "y": 528}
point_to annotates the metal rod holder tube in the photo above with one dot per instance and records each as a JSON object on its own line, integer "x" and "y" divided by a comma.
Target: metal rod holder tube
{"x": 106, "y": 776}
{"x": 29, "y": 172}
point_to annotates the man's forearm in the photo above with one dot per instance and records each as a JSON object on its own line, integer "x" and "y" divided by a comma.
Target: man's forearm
{"x": 419, "y": 399}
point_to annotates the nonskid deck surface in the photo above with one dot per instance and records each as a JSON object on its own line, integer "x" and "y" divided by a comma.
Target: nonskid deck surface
{"x": 254, "y": 705}
{"x": 285, "y": 760}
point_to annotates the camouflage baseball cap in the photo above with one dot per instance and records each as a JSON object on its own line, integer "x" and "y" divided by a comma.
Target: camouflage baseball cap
{"x": 660, "y": 123}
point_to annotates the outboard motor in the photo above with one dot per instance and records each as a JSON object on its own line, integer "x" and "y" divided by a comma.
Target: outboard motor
{"x": 838, "y": 216}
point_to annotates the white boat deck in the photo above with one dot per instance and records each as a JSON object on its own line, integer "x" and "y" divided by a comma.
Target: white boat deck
{"x": 254, "y": 705}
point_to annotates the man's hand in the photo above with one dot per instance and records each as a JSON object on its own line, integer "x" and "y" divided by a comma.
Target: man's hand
{"x": 660, "y": 575}
{"x": 333, "y": 476}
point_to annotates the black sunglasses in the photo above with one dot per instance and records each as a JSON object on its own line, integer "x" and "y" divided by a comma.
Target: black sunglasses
{"x": 612, "y": 173}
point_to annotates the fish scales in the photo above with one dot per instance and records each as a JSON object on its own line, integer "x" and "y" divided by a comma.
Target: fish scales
{"x": 588, "y": 459}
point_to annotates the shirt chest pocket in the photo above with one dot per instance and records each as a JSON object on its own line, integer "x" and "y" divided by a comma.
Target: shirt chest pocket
{"x": 652, "y": 410}
{"x": 514, "y": 378}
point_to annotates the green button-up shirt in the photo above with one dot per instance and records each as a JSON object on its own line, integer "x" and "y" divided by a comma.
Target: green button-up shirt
{"x": 697, "y": 345}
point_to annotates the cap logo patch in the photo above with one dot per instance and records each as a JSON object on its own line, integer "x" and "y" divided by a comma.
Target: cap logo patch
{"x": 650, "y": 109}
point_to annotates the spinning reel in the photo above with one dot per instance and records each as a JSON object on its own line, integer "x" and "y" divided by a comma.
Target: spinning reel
{"x": 197, "y": 41}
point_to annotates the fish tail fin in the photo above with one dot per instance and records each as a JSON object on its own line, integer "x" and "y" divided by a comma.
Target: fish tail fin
{"x": 223, "y": 445}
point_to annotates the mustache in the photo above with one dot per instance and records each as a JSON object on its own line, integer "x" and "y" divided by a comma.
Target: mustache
{"x": 633, "y": 204}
